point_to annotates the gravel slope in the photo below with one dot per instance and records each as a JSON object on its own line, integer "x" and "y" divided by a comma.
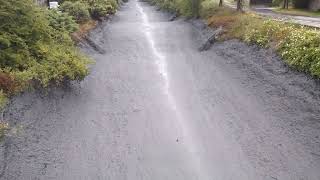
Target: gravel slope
{"x": 154, "y": 107}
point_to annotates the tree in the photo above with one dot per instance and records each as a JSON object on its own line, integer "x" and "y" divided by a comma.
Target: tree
{"x": 220, "y": 3}
{"x": 195, "y": 8}
{"x": 285, "y": 4}
{"x": 239, "y": 5}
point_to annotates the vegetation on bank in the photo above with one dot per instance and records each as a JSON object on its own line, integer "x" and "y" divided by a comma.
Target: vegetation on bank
{"x": 298, "y": 46}
{"x": 182, "y": 7}
{"x": 37, "y": 47}
{"x": 3, "y": 128}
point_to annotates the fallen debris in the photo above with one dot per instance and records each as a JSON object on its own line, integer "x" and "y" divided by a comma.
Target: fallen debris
{"x": 173, "y": 17}
{"x": 206, "y": 46}
{"x": 94, "y": 45}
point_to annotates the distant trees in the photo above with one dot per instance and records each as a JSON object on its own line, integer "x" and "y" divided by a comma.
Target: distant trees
{"x": 285, "y": 4}
{"x": 195, "y": 7}
{"x": 301, "y": 3}
{"x": 239, "y": 5}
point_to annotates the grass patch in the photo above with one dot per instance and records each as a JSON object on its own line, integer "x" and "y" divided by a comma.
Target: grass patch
{"x": 209, "y": 8}
{"x": 297, "y": 12}
{"x": 3, "y": 128}
{"x": 298, "y": 46}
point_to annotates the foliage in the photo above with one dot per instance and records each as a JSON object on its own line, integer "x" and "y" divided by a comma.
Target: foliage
{"x": 62, "y": 21}
{"x": 277, "y": 2}
{"x": 3, "y": 100}
{"x": 3, "y": 128}
{"x": 208, "y": 8}
{"x": 78, "y": 9}
{"x": 301, "y": 49}
{"x": 182, "y": 7}
{"x": 95, "y": 8}
{"x": 32, "y": 48}
{"x": 101, "y": 8}
{"x": 297, "y": 45}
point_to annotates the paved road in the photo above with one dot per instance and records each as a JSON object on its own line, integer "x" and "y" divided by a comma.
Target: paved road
{"x": 154, "y": 108}
{"x": 303, "y": 20}
{"x": 268, "y": 12}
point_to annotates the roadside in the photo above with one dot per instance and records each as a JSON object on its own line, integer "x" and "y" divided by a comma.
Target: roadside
{"x": 281, "y": 15}
{"x": 43, "y": 53}
{"x": 298, "y": 12}
{"x": 297, "y": 45}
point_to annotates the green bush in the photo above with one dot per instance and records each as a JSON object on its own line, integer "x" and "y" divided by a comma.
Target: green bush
{"x": 96, "y": 8}
{"x": 277, "y": 2}
{"x": 301, "y": 49}
{"x": 79, "y": 10}
{"x": 62, "y": 21}
{"x": 208, "y": 8}
{"x": 298, "y": 46}
{"x": 3, "y": 128}
{"x": 101, "y": 8}
{"x": 182, "y": 7}
{"x": 33, "y": 49}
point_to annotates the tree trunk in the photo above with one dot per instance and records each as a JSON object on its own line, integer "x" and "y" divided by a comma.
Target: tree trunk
{"x": 285, "y": 4}
{"x": 220, "y": 3}
{"x": 195, "y": 8}
{"x": 239, "y": 5}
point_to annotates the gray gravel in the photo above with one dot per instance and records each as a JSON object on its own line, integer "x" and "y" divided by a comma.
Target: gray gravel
{"x": 156, "y": 108}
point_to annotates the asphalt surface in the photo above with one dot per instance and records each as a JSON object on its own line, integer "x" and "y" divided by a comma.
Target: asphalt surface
{"x": 269, "y": 13}
{"x": 303, "y": 20}
{"x": 155, "y": 108}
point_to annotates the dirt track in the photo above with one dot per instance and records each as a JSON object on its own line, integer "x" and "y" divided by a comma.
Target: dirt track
{"x": 156, "y": 108}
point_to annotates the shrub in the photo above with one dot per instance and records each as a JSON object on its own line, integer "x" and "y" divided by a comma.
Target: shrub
{"x": 78, "y": 10}
{"x": 208, "y": 8}
{"x": 182, "y": 7}
{"x": 3, "y": 101}
{"x": 3, "y": 128}
{"x": 32, "y": 48}
{"x": 62, "y": 21}
{"x": 101, "y": 8}
{"x": 301, "y": 49}
{"x": 297, "y": 45}
{"x": 276, "y": 2}
{"x": 7, "y": 84}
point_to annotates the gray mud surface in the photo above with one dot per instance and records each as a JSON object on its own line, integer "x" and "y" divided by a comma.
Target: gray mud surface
{"x": 156, "y": 108}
